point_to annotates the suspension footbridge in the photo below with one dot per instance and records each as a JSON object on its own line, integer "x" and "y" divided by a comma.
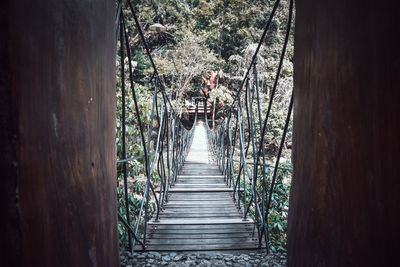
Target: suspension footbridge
{"x": 201, "y": 213}
{"x": 214, "y": 192}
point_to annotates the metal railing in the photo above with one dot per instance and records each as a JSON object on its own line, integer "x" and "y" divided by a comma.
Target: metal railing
{"x": 238, "y": 137}
{"x": 170, "y": 147}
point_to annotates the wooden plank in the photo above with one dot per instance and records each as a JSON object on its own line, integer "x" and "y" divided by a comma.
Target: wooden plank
{"x": 227, "y": 200}
{"x": 199, "y": 215}
{"x": 202, "y": 201}
{"x": 211, "y": 241}
{"x": 204, "y": 194}
{"x": 196, "y": 181}
{"x": 188, "y": 196}
{"x": 200, "y": 173}
{"x": 203, "y": 189}
{"x": 209, "y": 247}
{"x": 199, "y": 221}
{"x": 200, "y": 209}
{"x": 192, "y": 205}
{"x": 199, "y": 197}
{"x": 203, "y": 210}
{"x": 204, "y": 227}
{"x": 199, "y": 176}
{"x": 194, "y": 216}
{"x": 219, "y": 180}
{"x": 177, "y": 236}
{"x": 197, "y": 206}
{"x": 199, "y": 185}
{"x": 189, "y": 211}
{"x": 196, "y": 231}
{"x": 199, "y": 189}
{"x": 201, "y": 168}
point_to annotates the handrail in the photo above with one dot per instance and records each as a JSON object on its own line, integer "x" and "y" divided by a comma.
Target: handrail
{"x": 226, "y": 140}
{"x": 170, "y": 148}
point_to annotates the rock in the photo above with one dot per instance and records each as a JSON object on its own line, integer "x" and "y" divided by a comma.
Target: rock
{"x": 155, "y": 254}
{"x": 202, "y": 259}
{"x": 179, "y": 257}
{"x": 172, "y": 254}
{"x": 244, "y": 263}
{"x": 126, "y": 253}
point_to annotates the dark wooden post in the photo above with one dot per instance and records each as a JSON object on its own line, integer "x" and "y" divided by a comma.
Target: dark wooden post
{"x": 344, "y": 204}
{"x": 57, "y": 133}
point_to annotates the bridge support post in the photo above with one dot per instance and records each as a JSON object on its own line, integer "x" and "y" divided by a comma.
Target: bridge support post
{"x": 344, "y": 203}
{"x": 57, "y": 133}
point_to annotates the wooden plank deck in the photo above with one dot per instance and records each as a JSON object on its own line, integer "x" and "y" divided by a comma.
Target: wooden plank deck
{"x": 200, "y": 213}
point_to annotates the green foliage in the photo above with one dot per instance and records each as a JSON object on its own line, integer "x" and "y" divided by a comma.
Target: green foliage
{"x": 277, "y": 217}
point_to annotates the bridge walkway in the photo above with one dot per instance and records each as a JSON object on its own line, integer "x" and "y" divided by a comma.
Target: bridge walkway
{"x": 200, "y": 213}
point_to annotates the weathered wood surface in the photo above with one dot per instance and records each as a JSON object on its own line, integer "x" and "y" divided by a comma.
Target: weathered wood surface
{"x": 57, "y": 125}
{"x": 200, "y": 213}
{"x": 344, "y": 204}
